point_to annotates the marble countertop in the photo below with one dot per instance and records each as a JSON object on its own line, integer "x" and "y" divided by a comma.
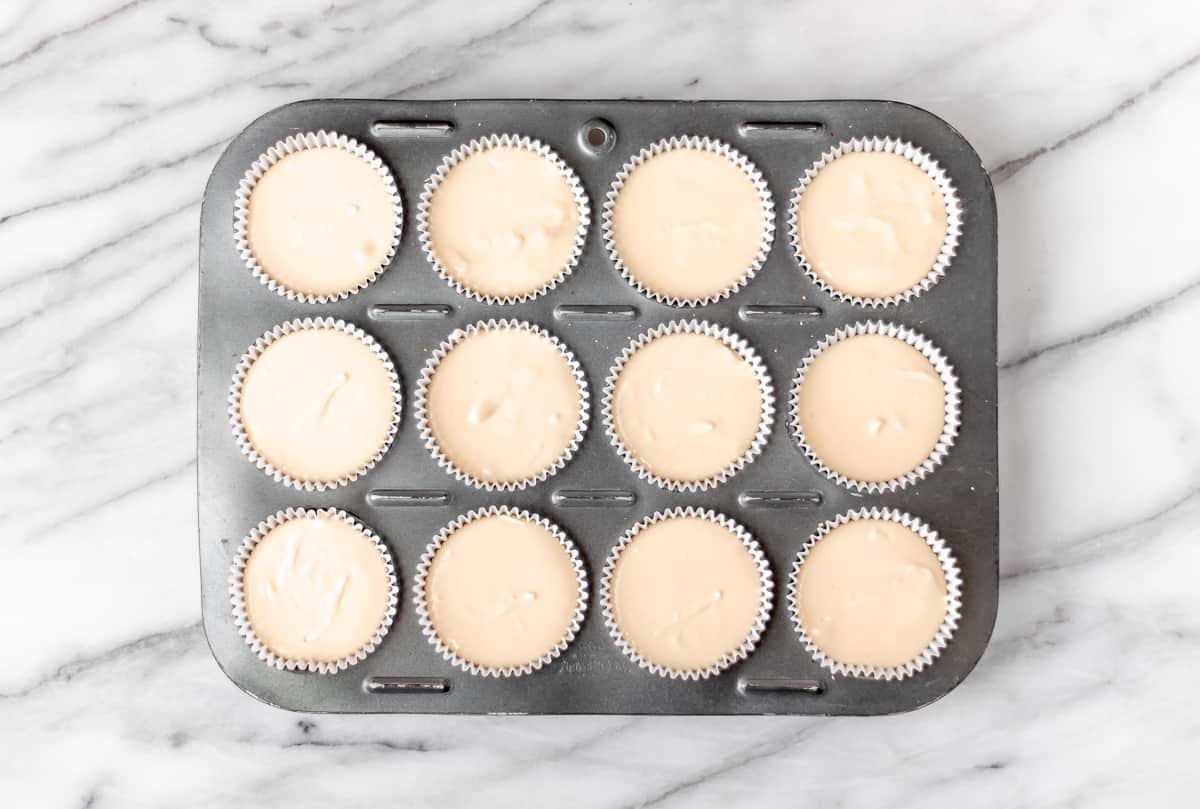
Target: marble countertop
{"x": 114, "y": 112}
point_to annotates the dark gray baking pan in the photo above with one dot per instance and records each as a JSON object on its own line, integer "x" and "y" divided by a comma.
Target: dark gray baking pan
{"x": 780, "y": 497}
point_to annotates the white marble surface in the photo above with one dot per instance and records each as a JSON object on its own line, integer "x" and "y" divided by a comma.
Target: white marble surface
{"x": 112, "y": 114}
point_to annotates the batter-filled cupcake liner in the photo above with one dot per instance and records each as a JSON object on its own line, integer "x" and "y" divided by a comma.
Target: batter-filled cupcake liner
{"x": 766, "y": 595}
{"x": 708, "y": 145}
{"x": 425, "y": 428}
{"x": 422, "y": 605}
{"x": 256, "y": 350}
{"x": 950, "y": 573}
{"x": 281, "y": 149}
{"x": 954, "y": 216}
{"x": 582, "y": 207}
{"x": 733, "y": 341}
{"x": 237, "y": 593}
{"x": 952, "y": 408}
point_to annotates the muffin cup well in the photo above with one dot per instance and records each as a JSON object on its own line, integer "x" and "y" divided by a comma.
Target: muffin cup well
{"x": 737, "y": 344}
{"x": 255, "y": 351}
{"x": 766, "y": 595}
{"x": 421, "y": 405}
{"x": 280, "y": 150}
{"x": 954, "y": 215}
{"x": 426, "y": 622}
{"x": 951, "y": 416}
{"x": 238, "y": 597}
{"x": 582, "y": 207}
{"x": 708, "y": 145}
{"x": 950, "y": 572}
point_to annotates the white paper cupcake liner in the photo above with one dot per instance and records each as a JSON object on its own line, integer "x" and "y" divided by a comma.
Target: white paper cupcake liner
{"x": 255, "y": 351}
{"x": 281, "y": 149}
{"x": 421, "y": 406}
{"x": 766, "y": 596}
{"x": 950, "y": 572}
{"x": 953, "y": 404}
{"x": 709, "y": 145}
{"x": 426, "y": 622}
{"x": 954, "y": 215}
{"x": 737, "y": 344}
{"x": 237, "y": 594}
{"x": 583, "y": 209}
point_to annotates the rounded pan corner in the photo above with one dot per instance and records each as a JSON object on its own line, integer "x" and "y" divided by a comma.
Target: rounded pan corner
{"x": 237, "y": 683}
{"x": 265, "y": 121}
{"x": 960, "y": 676}
{"x": 291, "y": 116}
{"x": 953, "y": 131}
{"x": 959, "y": 136}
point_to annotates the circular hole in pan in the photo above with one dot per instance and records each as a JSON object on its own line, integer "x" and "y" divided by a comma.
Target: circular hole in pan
{"x": 597, "y": 136}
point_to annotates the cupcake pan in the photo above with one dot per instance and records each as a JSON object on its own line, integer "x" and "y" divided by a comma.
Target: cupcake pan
{"x": 781, "y": 498}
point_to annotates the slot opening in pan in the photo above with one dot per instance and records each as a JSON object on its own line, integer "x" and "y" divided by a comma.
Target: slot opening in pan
{"x": 785, "y": 498}
{"x": 411, "y": 129}
{"x": 406, "y": 498}
{"x": 595, "y": 311}
{"x": 409, "y": 311}
{"x": 780, "y": 313}
{"x": 779, "y": 685}
{"x": 782, "y": 128}
{"x": 593, "y": 498}
{"x": 382, "y": 684}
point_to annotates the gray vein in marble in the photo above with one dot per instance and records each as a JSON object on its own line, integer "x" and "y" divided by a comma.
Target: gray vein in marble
{"x": 378, "y": 744}
{"x": 508, "y": 28}
{"x": 1086, "y": 549}
{"x": 84, "y": 665}
{"x": 67, "y": 517}
{"x": 1008, "y": 169}
{"x": 756, "y": 753}
{"x": 149, "y": 296}
{"x": 205, "y": 32}
{"x": 1179, "y": 296}
{"x": 133, "y": 176}
{"x": 96, "y": 249}
{"x": 66, "y": 33}
{"x": 575, "y": 748}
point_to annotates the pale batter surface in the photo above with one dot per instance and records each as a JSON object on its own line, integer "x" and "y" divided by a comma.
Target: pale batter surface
{"x": 320, "y": 221}
{"x": 315, "y": 588}
{"x": 501, "y": 591}
{"x": 872, "y": 407}
{"x": 317, "y": 404}
{"x": 503, "y": 405}
{"x": 871, "y": 224}
{"x": 687, "y": 406}
{"x": 685, "y": 592}
{"x": 871, "y": 593}
{"x": 503, "y": 222}
{"x": 688, "y": 223}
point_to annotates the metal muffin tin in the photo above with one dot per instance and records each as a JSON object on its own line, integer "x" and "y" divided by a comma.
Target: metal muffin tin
{"x": 780, "y": 497}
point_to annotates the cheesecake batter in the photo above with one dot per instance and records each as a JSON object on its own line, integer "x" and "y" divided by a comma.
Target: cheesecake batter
{"x": 872, "y": 407}
{"x": 685, "y": 592}
{"x": 321, "y": 221}
{"x": 687, "y": 406}
{"x": 503, "y": 222}
{"x": 871, "y": 593}
{"x": 503, "y": 405}
{"x": 871, "y": 224}
{"x": 502, "y": 591}
{"x": 318, "y": 404}
{"x": 315, "y": 589}
{"x": 688, "y": 224}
